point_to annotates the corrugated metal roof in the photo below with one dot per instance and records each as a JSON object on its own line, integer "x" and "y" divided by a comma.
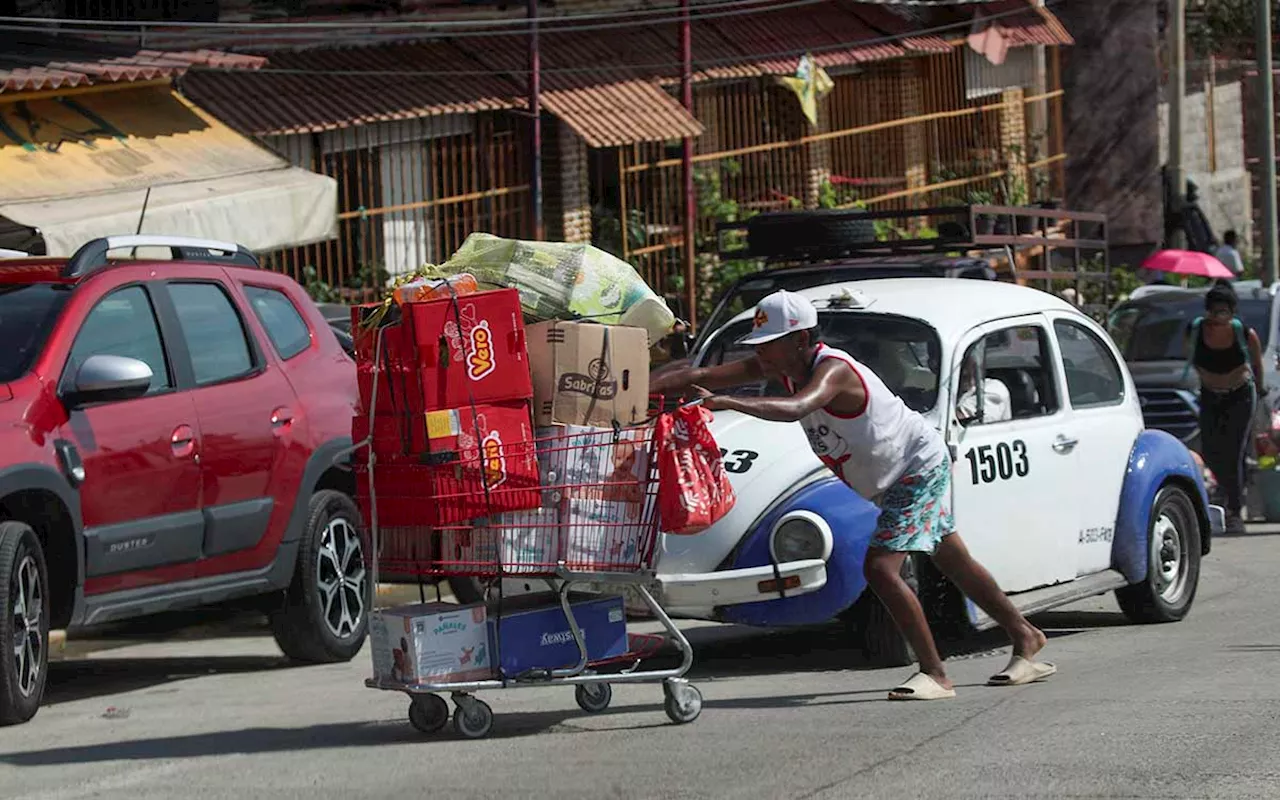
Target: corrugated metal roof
{"x": 32, "y": 62}
{"x": 317, "y": 98}
{"x": 611, "y": 114}
{"x": 887, "y": 23}
{"x": 1031, "y": 27}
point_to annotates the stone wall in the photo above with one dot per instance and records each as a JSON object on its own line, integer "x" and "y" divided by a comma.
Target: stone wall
{"x": 1213, "y": 112}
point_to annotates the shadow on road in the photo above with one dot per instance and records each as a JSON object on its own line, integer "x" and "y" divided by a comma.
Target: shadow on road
{"x": 98, "y": 677}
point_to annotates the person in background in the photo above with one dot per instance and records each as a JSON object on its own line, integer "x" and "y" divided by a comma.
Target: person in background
{"x": 885, "y": 452}
{"x": 1228, "y": 358}
{"x": 1229, "y": 255}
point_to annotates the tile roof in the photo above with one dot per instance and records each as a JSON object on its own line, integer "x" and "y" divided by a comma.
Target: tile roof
{"x": 307, "y": 91}
{"x": 38, "y": 62}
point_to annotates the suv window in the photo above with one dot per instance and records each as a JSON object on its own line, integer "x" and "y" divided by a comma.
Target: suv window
{"x": 904, "y": 353}
{"x": 214, "y": 332}
{"x": 286, "y": 328}
{"x": 123, "y": 324}
{"x": 1017, "y": 379}
{"x": 27, "y": 314}
{"x": 1157, "y": 331}
{"x": 1093, "y": 376}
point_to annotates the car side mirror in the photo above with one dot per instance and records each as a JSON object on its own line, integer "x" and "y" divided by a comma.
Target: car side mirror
{"x": 106, "y": 379}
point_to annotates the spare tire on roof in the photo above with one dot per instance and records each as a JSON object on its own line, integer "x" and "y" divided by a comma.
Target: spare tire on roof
{"x": 785, "y": 233}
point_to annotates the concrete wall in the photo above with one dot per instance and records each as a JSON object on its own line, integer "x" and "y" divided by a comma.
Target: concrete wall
{"x": 1213, "y": 112}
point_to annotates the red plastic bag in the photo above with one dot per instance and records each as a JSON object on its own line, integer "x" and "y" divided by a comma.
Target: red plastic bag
{"x": 693, "y": 488}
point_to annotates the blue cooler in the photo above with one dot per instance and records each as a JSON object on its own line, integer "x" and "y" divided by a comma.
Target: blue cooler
{"x": 536, "y": 634}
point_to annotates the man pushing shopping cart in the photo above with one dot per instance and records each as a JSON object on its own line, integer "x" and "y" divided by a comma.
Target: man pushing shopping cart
{"x": 885, "y": 452}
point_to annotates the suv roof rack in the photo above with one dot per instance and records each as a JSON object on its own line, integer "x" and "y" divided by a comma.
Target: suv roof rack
{"x": 825, "y": 235}
{"x": 92, "y": 255}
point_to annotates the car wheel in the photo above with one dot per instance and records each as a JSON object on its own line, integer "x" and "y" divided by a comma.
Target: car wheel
{"x": 325, "y": 614}
{"x": 878, "y": 636}
{"x": 24, "y": 623}
{"x": 1173, "y": 562}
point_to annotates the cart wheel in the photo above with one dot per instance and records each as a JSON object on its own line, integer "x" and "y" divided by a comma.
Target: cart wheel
{"x": 593, "y": 697}
{"x": 473, "y": 718}
{"x": 684, "y": 702}
{"x": 428, "y": 713}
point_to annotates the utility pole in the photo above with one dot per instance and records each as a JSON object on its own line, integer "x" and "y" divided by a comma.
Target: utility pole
{"x": 535, "y": 119}
{"x": 686, "y": 165}
{"x": 1177, "y": 91}
{"x": 1267, "y": 133}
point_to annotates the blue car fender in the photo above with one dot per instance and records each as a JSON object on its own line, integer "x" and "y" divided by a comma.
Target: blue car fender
{"x": 852, "y": 521}
{"x": 1157, "y": 458}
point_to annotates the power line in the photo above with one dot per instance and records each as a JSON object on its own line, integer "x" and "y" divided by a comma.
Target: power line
{"x": 561, "y": 22}
{"x": 698, "y": 65}
{"x": 392, "y": 32}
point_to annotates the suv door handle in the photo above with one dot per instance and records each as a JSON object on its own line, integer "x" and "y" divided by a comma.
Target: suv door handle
{"x": 183, "y": 441}
{"x": 1064, "y": 445}
{"x": 281, "y": 418}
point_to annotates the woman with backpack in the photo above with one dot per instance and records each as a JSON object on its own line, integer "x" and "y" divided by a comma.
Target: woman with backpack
{"x": 1228, "y": 358}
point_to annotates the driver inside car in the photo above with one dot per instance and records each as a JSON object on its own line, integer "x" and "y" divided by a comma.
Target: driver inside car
{"x": 996, "y": 403}
{"x": 885, "y": 452}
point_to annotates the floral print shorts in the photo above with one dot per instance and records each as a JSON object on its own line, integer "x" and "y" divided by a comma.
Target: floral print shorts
{"x": 915, "y": 513}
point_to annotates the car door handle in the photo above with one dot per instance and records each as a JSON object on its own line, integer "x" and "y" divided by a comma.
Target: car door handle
{"x": 1064, "y": 445}
{"x": 183, "y": 441}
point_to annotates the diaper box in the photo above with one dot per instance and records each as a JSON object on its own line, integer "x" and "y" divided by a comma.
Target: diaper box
{"x": 536, "y": 635}
{"x": 431, "y": 643}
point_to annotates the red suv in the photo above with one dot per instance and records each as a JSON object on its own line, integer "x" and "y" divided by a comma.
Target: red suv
{"x": 173, "y": 433}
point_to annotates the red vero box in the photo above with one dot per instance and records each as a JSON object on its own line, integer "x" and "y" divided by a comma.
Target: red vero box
{"x": 396, "y": 437}
{"x": 479, "y": 463}
{"x": 471, "y": 349}
{"x": 399, "y": 387}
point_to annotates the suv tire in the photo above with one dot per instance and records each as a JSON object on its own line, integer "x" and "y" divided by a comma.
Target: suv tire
{"x": 325, "y": 614}
{"x": 785, "y": 233}
{"x": 24, "y": 612}
{"x": 1173, "y": 562}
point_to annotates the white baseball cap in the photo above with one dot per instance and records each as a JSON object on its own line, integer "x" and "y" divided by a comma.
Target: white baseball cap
{"x": 778, "y": 314}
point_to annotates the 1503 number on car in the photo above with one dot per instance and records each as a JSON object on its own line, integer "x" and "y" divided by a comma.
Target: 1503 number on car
{"x": 1004, "y": 461}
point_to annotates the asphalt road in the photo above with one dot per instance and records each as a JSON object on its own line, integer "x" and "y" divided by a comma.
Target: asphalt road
{"x": 1184, "y": 710}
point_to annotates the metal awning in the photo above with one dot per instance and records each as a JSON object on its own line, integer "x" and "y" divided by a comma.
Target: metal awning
{"x": 77, "y": 168}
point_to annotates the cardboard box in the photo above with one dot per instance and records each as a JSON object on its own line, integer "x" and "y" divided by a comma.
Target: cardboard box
{"x": 396, "y": 376}
{"x": 471, "y": 350}
{"x": 520, "y": 543}
{"x": 479, "y": 463}
{"x": 396, "y": 437}
{"x": 536, "y": 634}
{"x": 431, "y": 643}
{"x": 589, "y": 374}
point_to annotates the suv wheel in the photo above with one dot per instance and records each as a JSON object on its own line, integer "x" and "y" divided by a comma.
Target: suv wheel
{"x": 325, "y": 614}
{"x": 24, "y": 623}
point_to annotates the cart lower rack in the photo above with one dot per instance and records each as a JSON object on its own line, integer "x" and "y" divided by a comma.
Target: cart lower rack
{"x": 574, "y": 507}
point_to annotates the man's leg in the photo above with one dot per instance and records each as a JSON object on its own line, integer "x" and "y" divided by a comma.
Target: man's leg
{"x": 883, "y": 569}
{"x": 970, "y": 577}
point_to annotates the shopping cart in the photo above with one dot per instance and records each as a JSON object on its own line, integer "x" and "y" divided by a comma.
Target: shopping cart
{"x": 577, "y": 511}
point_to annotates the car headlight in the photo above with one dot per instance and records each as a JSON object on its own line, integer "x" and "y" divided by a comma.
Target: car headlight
{"x": 799, "y": 536}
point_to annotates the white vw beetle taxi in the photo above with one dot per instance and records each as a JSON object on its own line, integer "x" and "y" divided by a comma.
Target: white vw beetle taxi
{"x": 1070, "y": 497}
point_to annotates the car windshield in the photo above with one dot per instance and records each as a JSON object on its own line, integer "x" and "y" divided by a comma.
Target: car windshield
{"x": 27, "y": 314}
{"x": 1158, "y": 331}
{"x": 904, "y": 353}
{"x": 752, "y": 290}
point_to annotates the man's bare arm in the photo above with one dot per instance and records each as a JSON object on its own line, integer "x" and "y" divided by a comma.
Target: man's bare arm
{"x": 1255, "y": 355}
{"x": 831, "y": 379}
{"x": 719, "y": 377}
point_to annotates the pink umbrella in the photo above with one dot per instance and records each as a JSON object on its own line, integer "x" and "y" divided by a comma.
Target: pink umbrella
{"x": 1187, "y": 262}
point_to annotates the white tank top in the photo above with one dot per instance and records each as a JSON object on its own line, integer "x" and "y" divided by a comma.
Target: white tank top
{"x": 872, "y": 449}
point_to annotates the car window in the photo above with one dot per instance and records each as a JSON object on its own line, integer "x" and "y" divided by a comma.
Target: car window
{"x": 28, "y": 312}
{"x": 213, "y": 331}
{"x": 904, "y": 353}
{"x": 286, "y": 328}
{"x": 1006, "y": 375}
{"x": 123, "y": 324}
{"x": 1093, "y": 376}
